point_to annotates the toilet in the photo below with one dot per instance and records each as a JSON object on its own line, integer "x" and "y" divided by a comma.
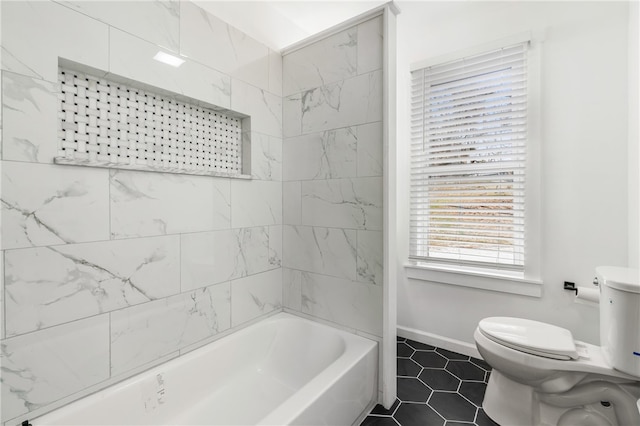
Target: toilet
{"x": 542, "y": 376}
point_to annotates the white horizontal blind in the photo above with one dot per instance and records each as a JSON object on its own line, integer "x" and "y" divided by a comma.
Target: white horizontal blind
{"x": 468, "y": 149}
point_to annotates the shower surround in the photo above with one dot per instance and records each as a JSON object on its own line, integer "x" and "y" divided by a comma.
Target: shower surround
{"x": 109, "y": 272}
{"x": 332, "y": 173}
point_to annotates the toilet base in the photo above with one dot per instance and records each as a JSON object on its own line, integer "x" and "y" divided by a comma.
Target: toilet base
{"x": 510, "y": 403}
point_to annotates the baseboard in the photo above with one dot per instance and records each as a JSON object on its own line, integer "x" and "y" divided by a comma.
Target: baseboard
{"x": 439, "y": 341}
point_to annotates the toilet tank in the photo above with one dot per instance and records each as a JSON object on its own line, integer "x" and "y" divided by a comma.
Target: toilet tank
{"x": 620, "y": 317}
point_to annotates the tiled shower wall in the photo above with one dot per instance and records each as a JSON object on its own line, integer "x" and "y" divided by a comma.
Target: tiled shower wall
{"x": 107, "y": 272}
{"x": 332, "y": 178}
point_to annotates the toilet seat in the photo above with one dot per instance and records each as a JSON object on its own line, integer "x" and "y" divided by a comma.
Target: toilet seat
{"x": 532, "y": 337}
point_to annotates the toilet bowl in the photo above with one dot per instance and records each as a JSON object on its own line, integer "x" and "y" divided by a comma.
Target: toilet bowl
{"x": 542, "y": 376}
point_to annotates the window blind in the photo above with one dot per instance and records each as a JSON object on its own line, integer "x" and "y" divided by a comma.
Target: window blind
{"x": 468, "y": 152}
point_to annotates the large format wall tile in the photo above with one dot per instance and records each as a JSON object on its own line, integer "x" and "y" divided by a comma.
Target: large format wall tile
{"x": 264, "y": 108}
{"x": 26, "y": 101}
{"x": 213, "y": 42}
{"x": 132, "y": 58}
{"x": 291, "y": 203}
{"x": 343, "y": 203}
{"x": 292, "y": 289}
{"x": 214, "y": 257}
{"x": 47, "y": 204}
{"x": 144, "y": 203}
{"x": 157, "y": 21}
{"x": 325, "y": 61}
{"x": 292, "y": 115}
{"x": 323, "y": 155}
{"x": 322, "y": 250}
{"x": 348, "y": 303}
{"x": 370, "y": 257}
{"x": 370, "y": 149}
{"x": 255, "y": 295}
{"x": 46, "y": 286}
{"x": 255, "y": 203}
{"x": 266, "y": 157}
{"x": 36, "y": 33}
{"x": 42, "y": 367}
{"x": 357, "y": 100}
{"x": 144, "y": 333}
{"x": 370, "y": 45}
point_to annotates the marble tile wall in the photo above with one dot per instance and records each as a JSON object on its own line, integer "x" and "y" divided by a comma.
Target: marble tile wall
{"x": 107, "y": 272}
{"x": 332, "y": 178}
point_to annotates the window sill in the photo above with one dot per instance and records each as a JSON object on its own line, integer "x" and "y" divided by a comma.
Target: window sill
{"x": 492, "y": 280}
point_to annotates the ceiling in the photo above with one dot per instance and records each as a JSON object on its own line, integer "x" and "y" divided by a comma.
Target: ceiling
{"x": 279, "y": 24}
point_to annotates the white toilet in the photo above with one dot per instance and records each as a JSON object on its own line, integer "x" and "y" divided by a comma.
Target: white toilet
{"x": 542, "y": 376}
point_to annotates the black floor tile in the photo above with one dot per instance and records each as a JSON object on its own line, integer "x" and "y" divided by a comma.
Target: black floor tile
{"x": 452, "y": 406}
{"x": 465, "y": 370}
{"x": 452, "y": 355}
{"x": 480, "y": 363}
{"x": 417, "y": 415}
{"x": 378, "y": 421}
{"x": 438, "y": 379}
{"x": 483, "y": 420}
{"x": 408, "y": 367}
{"x": 404, "y": 350}
{"x": 429, "y": 359}
{"x": 453, "y": 384}
{"x": 420, "y": 346}
{"x": 473, "y": 391}
{"x": 380, "y": 410}
{"x": 412, "y": 390}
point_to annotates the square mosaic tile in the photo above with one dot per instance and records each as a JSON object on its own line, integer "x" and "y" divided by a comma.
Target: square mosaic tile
{"x": 436, "y": 387}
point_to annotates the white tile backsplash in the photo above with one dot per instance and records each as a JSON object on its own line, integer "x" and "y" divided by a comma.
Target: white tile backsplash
{"x": 46, "y": 204}
{"x": 255, "y": 296}
{"x": 25, "y": 101}
{"x": 36, "y": 33}
{"x": 356, "y": 100}
{"x": 132, "y": 58}
{"x": 109, "y": 272}
{"x": 348, "y": 303}
{"x": 42, "y": 367}
{"x": 255, "y": 203}
{"x": 213, "y": 42}
{"x": 323, "y": 62}
{"x": 332, "y": 178}
{"x": 144, "y": 333}
{"x": 343, "y": 203}
{"x": 329, "y": 251}
{"x": 47, "y": 286}
{"x": 136, "y": 265}
{"x": 145, "y": 204}
{"x": 157, "y": 21}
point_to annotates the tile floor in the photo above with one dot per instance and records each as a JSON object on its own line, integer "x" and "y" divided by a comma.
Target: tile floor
{"x": 436, "y": 387}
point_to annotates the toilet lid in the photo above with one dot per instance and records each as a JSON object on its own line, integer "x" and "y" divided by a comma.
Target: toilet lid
{"x": 533, "y": 337}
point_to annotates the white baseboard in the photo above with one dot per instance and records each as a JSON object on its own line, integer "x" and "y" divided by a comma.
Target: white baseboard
{"x": 439, "y": 341}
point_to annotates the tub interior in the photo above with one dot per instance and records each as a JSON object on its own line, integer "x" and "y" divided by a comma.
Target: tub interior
{"x": 276, "y": 365}
{"x": 293, "y": 355}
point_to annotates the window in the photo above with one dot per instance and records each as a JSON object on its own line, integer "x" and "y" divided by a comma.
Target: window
{"x": 469, "y": 144}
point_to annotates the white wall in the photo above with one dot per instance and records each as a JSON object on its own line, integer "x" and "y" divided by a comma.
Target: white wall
{"x": 584, "y": 153}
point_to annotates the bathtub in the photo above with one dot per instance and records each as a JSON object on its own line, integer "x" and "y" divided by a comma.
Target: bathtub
{"x": 284, "y": 370}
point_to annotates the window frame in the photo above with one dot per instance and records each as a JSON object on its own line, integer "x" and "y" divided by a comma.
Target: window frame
{"x": 526, "y": 281}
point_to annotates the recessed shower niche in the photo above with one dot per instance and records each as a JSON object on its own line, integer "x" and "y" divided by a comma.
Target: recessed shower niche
{"x": 114, "y": 122}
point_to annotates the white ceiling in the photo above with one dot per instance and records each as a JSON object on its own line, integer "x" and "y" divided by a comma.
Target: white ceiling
{"x": 282, "y": 23}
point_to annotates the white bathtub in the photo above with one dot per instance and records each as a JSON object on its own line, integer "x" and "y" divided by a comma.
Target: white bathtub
{"x": 283, "y": 370}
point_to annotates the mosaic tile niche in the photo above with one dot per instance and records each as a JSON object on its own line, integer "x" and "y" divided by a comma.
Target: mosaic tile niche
{"x": 108, "y": 123}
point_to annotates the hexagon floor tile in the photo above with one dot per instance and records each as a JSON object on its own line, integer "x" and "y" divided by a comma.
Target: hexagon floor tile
{"x": 436, "y": 387}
